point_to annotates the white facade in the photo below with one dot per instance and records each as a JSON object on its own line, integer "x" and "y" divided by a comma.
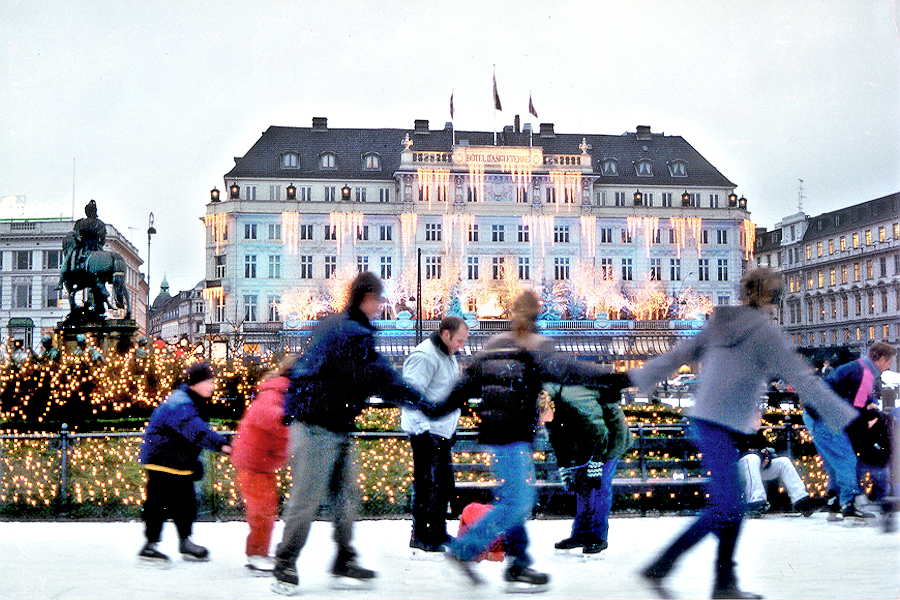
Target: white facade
{"x": 30, "y": 257}
{"x": 486, "y": 219}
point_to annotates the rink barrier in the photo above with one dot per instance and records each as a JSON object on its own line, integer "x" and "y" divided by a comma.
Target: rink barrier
{"x": 661, "y": 459}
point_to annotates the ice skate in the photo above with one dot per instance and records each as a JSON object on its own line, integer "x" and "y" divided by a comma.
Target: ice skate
{"x": 192, "y": 552}
{"x": 525, "y": 581}
{"x": 347, "y": 575}
{"x": 465, "y": 566}
{"x": 594, "y": 548}
{"x": 285, "y": 580}
{"x": 833, "y": 506}
{"x": 261, "y": 566}
{"x": 656, "y": 583}
{"x": 151, "y": 555}
{"x": 425, "y": 552}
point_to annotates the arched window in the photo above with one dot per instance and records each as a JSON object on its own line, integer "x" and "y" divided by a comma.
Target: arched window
{"x": 290, "y": 160}
{"x": 644, "y": 168}
{"x": 609, "y": 166}
{"x": 328, "y": 161}
{"x": 678, "y": 168}
{"x": 372, "y": 162}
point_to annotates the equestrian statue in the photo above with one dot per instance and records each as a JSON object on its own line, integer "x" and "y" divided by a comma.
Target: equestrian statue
{"x": 87, "y": 266}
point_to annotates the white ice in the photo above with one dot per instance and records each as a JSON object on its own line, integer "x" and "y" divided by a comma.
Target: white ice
{"x": 779, "y": 556}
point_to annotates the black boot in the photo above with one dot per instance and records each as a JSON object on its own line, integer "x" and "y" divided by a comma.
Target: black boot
{"x": 345, "y": 566}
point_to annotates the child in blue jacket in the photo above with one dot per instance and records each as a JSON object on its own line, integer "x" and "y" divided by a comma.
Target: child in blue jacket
{"x": 172, "y": 442}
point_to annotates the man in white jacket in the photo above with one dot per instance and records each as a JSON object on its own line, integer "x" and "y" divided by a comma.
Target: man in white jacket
{"x": 433, "y": 370}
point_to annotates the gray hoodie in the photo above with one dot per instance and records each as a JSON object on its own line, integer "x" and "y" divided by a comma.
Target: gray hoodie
{"x": 740, "y": 349}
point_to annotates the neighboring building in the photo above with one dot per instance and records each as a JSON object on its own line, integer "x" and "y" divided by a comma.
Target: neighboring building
{"x": 30, "y": 260}
{"x": 613, "y": 216}
{"x": 841, "y": 272}
{"x": 174, "y": 318}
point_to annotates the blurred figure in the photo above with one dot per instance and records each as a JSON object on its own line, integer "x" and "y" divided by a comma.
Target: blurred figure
{"x": 330, "y": 385}
{"x": 432, "y": 368}
{"x": 740, "y": 349}
{"x": 260, "y": 450}
{"x": 507, "y": 375}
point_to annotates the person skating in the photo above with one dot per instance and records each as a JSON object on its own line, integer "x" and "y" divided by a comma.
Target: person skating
{"x": 330, "y": 385}
{"x": 588, "y": 433}
{"x": 739, "y": 349}
{"x": 260, "y": 450}
{"x": 507, "y": 375}
{"x": 173, "y": 439}
{"x": 432, "y": 368}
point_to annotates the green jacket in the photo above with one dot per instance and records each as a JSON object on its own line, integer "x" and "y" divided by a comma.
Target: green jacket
{"x": 583, "y": 428}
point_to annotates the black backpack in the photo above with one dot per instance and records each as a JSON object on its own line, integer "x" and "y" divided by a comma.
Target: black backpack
{"x": 509, "y": 382}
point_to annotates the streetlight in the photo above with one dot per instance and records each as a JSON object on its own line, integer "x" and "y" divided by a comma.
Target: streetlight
{"x": 345, "y": 193}
{"x": 150, "y": 231}
{"x": 638, "y": 198}
{"x": 214, "y": 195}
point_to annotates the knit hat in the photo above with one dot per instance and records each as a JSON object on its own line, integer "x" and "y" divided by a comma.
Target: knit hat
{"x": 197, "y": 372}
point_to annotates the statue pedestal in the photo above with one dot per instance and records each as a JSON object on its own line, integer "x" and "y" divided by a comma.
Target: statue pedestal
{"x": 108, "y": 335}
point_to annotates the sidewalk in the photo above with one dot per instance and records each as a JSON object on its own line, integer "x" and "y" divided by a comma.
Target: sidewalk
{"x": 778, "y": 556}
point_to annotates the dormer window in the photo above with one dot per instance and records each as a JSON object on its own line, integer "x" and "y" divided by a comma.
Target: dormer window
{"x": 290, "y": 160}
{"x": 372, "y": 162}
{"x": 328, "y": 161}
{"x": 678, "y": 168}
{"x": 644, "y": 168}
{"x": 609, "y": 166}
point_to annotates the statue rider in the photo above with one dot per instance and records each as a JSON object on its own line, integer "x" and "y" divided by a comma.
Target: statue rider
{"x": 90, "y": 236}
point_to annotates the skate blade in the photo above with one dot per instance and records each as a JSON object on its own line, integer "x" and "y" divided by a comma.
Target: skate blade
{"x": 518, "y": 587}
{"x": 857, "y": 522}
{"x": 340, "y": 582}
{"x": 285, "y": 589}
{"x": 191, "y": 558}
{"x": 426, "y": 556}
{"x": 259, "y": 572}
{"x": 155, "y": 563}
{"x": 575, "y": 555}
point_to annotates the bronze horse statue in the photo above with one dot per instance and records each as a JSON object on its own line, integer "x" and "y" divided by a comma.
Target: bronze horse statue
{"x": 98, "y": 268}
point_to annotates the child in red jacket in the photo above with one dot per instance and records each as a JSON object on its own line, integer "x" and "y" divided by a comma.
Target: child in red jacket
{"x": 261, "y": 449}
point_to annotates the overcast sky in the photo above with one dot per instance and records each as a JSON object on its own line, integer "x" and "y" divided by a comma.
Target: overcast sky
{"x": 144, "y": 105}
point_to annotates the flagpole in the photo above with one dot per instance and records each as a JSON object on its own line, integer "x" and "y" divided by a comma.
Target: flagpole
{"x": 495, "y": 104}
{"x": 452, "y": 122}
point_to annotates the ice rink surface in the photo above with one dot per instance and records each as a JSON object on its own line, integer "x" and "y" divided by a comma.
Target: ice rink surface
{"x": 779, "y": 556}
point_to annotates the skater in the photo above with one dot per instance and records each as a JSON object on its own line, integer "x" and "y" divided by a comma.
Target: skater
{"x": 739, "y": 349}
{"x": 172, "y": 443}
{"x": 859, "y": 383}
{"x": 762, "y": 465}
{"x": 330, "y": 384}
{"x": 588, "y": 433}
{"x": 507, "y": 375}
{"x": 855, "y": 382}
{"x": 432, "y": 368}
{"x": 260, "y": 450}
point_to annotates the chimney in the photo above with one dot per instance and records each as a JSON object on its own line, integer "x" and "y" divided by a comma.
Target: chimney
{"x": 643, "y": 132}
{"x": 517, "y": 124}
{"x": 526, "y": 128}
{"x": 320, "y": 123}
{"x": 547, "y": 130}
{"x": 448, "y": 125}
{"x": 421, "y": 126}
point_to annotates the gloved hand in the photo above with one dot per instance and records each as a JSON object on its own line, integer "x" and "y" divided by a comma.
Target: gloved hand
{"x": 567, "y": 477}
{"x": 594, "y": 469}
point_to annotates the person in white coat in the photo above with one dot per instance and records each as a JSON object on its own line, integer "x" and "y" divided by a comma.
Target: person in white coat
{"x": 432, "y": 369}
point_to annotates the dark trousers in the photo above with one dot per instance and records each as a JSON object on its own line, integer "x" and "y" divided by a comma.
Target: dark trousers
{"x": 724, "y": 509}
{"x": 432, "y": 487}
{"x": 169, "y": 497}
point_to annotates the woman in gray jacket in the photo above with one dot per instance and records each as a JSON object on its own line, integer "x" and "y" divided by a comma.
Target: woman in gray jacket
{"x": 739, "y": 349}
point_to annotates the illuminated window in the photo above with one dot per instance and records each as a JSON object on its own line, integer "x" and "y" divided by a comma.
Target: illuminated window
{"x": 856, "y": 240}
{"x": 843, "y": 243}
{"x": 868, "y": 237}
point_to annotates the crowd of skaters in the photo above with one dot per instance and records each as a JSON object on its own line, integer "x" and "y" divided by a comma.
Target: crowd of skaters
{"x": 304, "y": 413}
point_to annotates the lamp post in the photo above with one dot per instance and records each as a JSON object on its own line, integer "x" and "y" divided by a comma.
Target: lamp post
{"x": 150, "y": 231}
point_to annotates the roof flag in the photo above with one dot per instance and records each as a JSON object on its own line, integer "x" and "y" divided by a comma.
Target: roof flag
{"x": 531, "y": 106}
{"x": 497, "y": 105}
{"x": 451, "y": 106}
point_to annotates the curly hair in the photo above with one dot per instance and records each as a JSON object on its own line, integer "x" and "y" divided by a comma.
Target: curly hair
{"x": 760, "y": 287}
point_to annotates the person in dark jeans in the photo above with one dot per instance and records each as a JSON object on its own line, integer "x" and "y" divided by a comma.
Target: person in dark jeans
{"x": 172, "y": 442}
{"x": 740, "y": 348}
{"x": 432, "y": 368}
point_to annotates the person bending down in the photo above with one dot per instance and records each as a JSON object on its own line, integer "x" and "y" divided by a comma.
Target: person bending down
{"x": 761, "y": 466}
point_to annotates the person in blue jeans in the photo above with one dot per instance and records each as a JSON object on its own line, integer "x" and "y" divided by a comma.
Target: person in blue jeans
{"x": 588, "y": 433}
{"x": 507, "y": 376}
{"x": 739, "y": 349}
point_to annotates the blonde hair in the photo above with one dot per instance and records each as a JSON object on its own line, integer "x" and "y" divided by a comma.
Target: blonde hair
{"x": 525, "y": 310}
{"x": 760, "y": 287}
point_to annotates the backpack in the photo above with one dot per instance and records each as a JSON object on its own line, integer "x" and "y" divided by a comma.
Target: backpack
{"x": 509, "y": 381}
